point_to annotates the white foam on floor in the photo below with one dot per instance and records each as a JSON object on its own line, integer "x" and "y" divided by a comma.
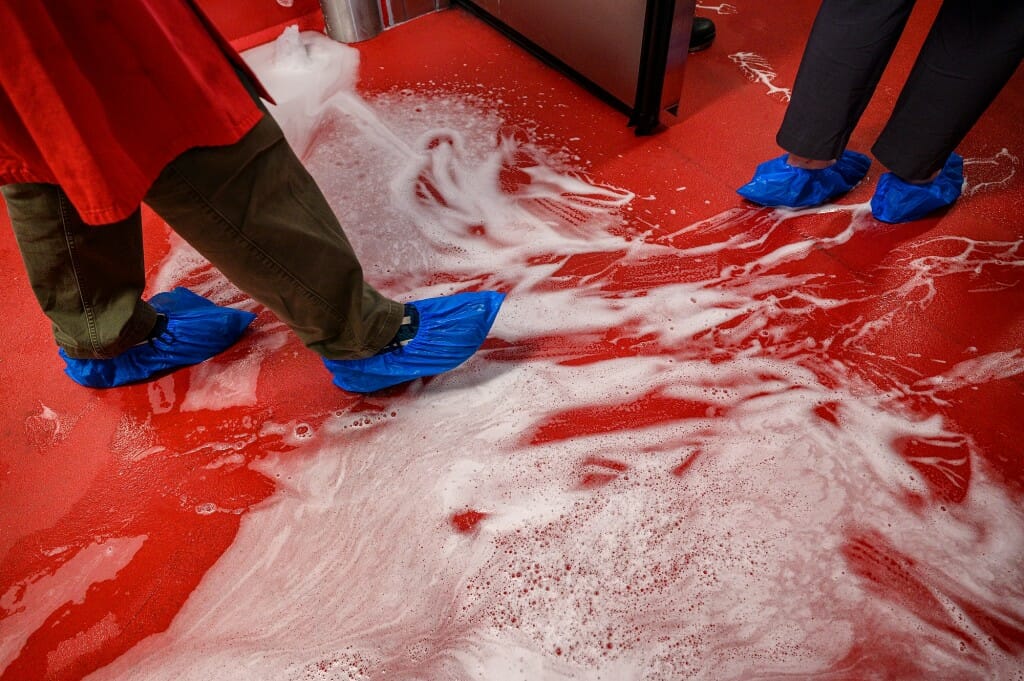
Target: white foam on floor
{"x": 47, "y": 428}
{"x": 28, "y": 604}
{"x": 710, "y": 544}
{"x": 724, "y": 8}
{"x": 992, "y": 172}
{"x": 757, "y": 69}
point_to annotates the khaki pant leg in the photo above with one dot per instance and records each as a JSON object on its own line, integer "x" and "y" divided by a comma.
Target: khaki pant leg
{"x": 253, "y": 210}
{"x": 88, "y": 279}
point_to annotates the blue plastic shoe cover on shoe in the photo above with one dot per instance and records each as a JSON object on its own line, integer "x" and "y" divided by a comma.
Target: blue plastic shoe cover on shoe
{"x": 776, "y": 183}
{"x": 451, "y": 329}
{"x": 898, "y": 201}
{"x": 196, "y": 330}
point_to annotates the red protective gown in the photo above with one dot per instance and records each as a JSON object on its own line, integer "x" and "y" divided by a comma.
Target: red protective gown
{"x": 99, "y": 95}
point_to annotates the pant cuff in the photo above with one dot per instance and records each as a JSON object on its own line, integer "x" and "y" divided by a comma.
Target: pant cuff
{"x": 379, "y": 336}
{"x": 134, "y": 331}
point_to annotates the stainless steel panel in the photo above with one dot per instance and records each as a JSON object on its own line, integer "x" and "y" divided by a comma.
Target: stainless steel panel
{"x": 601, "y": 39}
{"x": 349, "y": 21}
{"x": 609, "y": 43}
{"x": 679, "y": 49}
{"x": 403, "y": 10}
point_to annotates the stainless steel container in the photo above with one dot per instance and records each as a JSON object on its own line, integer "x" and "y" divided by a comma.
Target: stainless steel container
{"x": 350, "y": 21}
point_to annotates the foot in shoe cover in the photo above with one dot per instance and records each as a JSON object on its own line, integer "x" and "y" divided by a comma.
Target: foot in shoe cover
{"x": 897, "y": 201}
{"x": 451, "y": 329}
{"x": 776, "y": 183}
{"x": 195, "y": 331}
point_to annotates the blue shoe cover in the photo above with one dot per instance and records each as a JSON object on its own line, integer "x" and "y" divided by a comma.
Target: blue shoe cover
{"x": 451, "y": 329}
{"x": 776, "y": 183}
{"x": 898, "y": 201}
{"x": 196, "y": 331}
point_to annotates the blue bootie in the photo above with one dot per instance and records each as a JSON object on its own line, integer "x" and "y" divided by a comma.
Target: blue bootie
{"x": 899, "y": 201}
{"x": 195, "y": 330}
{"x": 451, "y": 329}
{"x": 776, "y": 183}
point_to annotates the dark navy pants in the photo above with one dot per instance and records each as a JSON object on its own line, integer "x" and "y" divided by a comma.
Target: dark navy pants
{"x": 972, "y": 50}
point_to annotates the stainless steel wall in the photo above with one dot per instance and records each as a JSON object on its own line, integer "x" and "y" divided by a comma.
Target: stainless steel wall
{"x": 599, "y": 38}
{"x": 350, "y": 21}
{"x": 633, "y": 50}
{"x": 403, "y": 10}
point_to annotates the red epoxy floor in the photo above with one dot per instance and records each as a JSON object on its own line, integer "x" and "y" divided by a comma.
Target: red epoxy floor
{"x": 72, "y": 469}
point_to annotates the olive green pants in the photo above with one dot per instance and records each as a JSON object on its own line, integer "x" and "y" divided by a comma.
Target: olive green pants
{"x": 250, "y": 208}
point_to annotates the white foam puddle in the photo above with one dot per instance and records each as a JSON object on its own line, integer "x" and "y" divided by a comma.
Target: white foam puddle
{"x": 732, "y": 498}
{"x": 28, "y": 604}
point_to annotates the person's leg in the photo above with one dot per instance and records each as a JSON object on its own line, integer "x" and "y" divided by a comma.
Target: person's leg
{"x": 88, "y": 279}
{"x": 254, "y": 212}
{"x": 969, "y": 55}
{"x": 849, "y": 46}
